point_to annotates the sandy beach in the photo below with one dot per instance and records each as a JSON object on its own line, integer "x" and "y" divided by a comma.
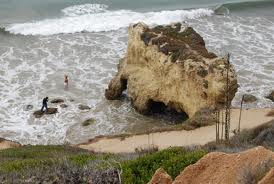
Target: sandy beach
{"x": 162, "y": 140}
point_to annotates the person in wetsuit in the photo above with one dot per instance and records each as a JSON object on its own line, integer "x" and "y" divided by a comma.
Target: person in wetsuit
{"x": 45, "y": 104}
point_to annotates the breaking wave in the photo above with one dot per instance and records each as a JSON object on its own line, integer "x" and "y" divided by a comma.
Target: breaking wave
{"x": 96, "y": 18}
{"x": 246, "y": 6}
{"x": 84, "y": 9}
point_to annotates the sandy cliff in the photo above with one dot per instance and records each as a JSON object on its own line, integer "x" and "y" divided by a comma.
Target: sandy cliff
{"x": 223, "y": 168}
{"x": 5, "y": 144}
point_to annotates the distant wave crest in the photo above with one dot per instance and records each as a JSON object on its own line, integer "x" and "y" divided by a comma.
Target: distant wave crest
{"x": 225, "y": 9}
{"x": 96, "y": 18}
{"x": 84, "y": 9}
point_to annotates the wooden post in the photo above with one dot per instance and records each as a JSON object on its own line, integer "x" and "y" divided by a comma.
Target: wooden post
{"x": 227, "y": 108}
{"x": 218, "y": 124}
{"x": 148, "y": 140}
{"x": 216, "y": 127}
{"x": 239, "y": 125}
{"x": 222, "y": 137}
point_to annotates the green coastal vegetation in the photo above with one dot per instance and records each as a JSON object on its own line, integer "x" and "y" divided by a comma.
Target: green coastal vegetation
{"x": 66, "y": 164}
{"x": 73, "y": 165}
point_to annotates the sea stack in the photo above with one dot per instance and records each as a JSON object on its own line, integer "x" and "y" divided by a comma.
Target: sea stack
{"x": 170, "y": 65}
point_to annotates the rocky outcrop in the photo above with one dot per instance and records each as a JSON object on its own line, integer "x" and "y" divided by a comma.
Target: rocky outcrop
{"x": 88, "y": 122}
{"x": 268, "y": 178}
{"x": 6, "y": 144}
{"x": 57, "y": 100}
{"x": 63, "y": 106}
{"x": 271, "y": 96}
{"x": 227, "y": 168}
{"x": 39, "y": 113}
{"x": 161, "y": 177}
{"x": 243, "y": 167}
{"x": 171, "y": 65}
{"x": 83, "y": 107}
{"x": 28, "y": 107}
{"x": 248, "y": 98}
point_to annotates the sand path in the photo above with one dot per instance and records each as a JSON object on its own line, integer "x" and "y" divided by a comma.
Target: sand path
{"x": 250, "y": 118}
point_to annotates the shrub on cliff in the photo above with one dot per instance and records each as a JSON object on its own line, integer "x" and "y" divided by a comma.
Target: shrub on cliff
{"x": 173, "y": 161}
{"x": 262, "y": 135}
{"x": 56, "y": 164}
{"x": 64, "y": 164}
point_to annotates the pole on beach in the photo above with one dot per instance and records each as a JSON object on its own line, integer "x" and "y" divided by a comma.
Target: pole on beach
{"x": 217, "y": 119}
{"x": 227, "y": 108}
{"x": 216, "y": 126}
{"x": 218, "y": 122}
{"x": 240, "y": 117}
{"x": 148, "y": 142}
{"x": 222, "y": 137}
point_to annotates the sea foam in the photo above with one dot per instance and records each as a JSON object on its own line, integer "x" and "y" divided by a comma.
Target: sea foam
{"x": 96, "y": 18}
{"x": 84, "y": 9}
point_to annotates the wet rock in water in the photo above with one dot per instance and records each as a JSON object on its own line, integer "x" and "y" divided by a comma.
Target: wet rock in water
{"x": 51, "y": 111}
{"x": 83, "y": 107}
{"x": 88, "y": 122}
{"x": 171, "y": 65}
{"x": 248, "y": 98}
{"x": 271, "y": 96}
{"x": 57, "y": 100}
{"x": 28, "y": 107}
{"x": 63, "y": 106}
{"x": 39, "y": 113}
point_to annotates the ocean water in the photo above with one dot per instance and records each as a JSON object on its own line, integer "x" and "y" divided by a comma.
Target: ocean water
{"x": 40, "y": 41}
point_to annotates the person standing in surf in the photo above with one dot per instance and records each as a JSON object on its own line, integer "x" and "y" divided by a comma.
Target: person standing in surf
{"x": 45, "y": 104}
{"x": 66, "y": 81}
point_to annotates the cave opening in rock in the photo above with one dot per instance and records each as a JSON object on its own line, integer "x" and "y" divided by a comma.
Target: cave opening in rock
{"x": 124, "y": 95}
{"x": 124, "y": 84}
{"x": 169, "y": 114}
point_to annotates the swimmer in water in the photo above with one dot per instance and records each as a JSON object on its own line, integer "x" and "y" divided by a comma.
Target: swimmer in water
{"x": 66, "y": 81}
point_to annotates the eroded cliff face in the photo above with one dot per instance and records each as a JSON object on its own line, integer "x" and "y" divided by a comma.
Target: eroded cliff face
{"x": 6, "y": 144}
{"x": 171, "y": 65}
{"x": 217, "y": 167}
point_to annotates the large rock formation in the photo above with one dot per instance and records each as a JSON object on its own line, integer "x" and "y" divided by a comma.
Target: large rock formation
{"x": 227, "y": 168}
{"x": 171, "y": 65}
{"x": 268, "y": 178}
{"x": 244, "y": 167}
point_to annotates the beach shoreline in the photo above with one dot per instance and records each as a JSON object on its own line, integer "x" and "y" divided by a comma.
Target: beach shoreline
{"x": 166, "y": 137}
{"x": 251, "y": 118}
